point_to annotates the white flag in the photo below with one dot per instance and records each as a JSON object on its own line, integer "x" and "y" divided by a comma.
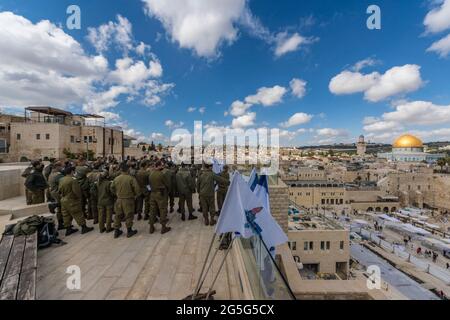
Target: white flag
{"x": 244, "y": 213}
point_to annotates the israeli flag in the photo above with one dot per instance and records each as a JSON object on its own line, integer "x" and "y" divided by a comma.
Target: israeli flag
{"x": 275, "y": 235}
{"x": 217, "y": 166}
{"x": 253, "y": 180}
{"x": 245, "y": 213}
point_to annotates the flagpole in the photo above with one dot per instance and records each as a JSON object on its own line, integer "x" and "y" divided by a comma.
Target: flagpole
{"x": 207, "y": 271}
{"x": 197, "y": 287}
{"x": 220, "y": 269}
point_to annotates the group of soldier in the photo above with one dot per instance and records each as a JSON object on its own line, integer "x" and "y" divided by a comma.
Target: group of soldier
{"x": 111, "y": 193}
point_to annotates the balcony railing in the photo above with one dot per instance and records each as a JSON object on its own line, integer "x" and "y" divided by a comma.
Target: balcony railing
{"x": 265, "y": 278}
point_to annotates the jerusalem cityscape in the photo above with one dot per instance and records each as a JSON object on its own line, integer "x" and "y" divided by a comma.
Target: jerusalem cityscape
{"x": 233, "y": 150}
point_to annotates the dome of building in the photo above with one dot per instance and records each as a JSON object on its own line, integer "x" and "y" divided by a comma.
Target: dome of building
{"x": 408, "y": 141}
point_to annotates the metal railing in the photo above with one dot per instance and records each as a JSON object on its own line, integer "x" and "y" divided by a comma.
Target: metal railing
{"x": 400, "y": 252}
{"x": 266, "y": 280}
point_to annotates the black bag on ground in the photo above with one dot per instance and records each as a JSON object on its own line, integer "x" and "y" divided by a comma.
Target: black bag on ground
{"x": 44, "y": 226}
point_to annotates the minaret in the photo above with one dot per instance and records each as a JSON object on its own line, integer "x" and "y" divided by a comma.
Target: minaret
{"x": 361, "y": 146}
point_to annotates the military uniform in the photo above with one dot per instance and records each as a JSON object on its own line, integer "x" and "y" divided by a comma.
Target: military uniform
{"x": 205, "y": 188}
{"x": 171, "y": 177}
{"x": 81, "y": 174}
{"x": 53, "y": 180}
{"x": 142, "y": 179}
{"x": 36, "y": 185}
{"x": 105, "y": 204}
{"x": 126, "y": 189}
{"x": 71, "y": 194}
{"x": 25, "y": 175}
{"x": 92, "y": 178}
{"x": 222, "y": 189}
{"x": 160, "y": 184}
{"x": 185, "y": 187}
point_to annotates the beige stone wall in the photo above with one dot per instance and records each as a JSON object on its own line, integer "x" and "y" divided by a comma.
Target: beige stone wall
{"x": 61, "y": 137}
{"x": 326, "y": 259}
{"x": 11, "y": 185}
{"x": 279, "y": 204}
{"x": 311, "y": 197}
{"x": 29, "y": 146}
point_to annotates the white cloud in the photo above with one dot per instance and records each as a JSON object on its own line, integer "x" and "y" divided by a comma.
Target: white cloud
{"x": 201, "y": 25}
{"x": 286, "y": 43}
{"x": 369, "y": 62}
{"x": 298, "y": 87}
{"x": 238, "y": 108}
{"x": 438, "y": 19}
{"x": 297, "y": 119}
{"x": 419, "y": 113}
{"x": 246, "y": 120}
{"x": 378, "y": 126}
{"x": 267, "y": 96}
{"x": 409, "y": 116}
{"x": 202, "y": 110}
{"x": 34, "y": 66}
{"x": 173, "y": 125}
{"x": 134, "y": 73}
{"x": 330, "y": 135}
{"x": 441, "y": 47}
{"x": 191, "y": 109}
{"x": 376, "y": 86}
{"x": 119, "y": 33}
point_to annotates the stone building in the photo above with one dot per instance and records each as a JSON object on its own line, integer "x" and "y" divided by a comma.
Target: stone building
{"x": 320, "y": 244}
{"x": 5, "y": 135}
{"x": 361, "y": 146}
{"x": 48, "y": 132}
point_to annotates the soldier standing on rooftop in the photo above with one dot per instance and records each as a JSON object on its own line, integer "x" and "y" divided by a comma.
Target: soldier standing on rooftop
{"x": 160, "y": 184}
{"x": 205, "y": 188}
{"x": 70, "y": 192}
{"x": 126, "y": 189}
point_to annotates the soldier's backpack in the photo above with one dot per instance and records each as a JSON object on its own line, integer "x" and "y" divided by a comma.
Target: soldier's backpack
{"x": 44, "y": 226}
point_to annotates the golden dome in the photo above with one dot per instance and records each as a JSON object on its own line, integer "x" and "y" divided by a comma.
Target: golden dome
{"x": 408, "y": 141}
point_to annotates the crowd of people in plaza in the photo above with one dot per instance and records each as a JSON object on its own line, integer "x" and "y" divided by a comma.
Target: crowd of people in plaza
{"x": 111, "y": 193}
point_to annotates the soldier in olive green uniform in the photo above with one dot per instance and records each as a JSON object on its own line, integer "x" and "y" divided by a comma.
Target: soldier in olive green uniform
{"x": 36, "y": 184}
{"x": 25, "y": 175}
{"x": 185, "y": 187}
{"x": 70, "y": 192}
{"x": 126, "y": 189}
{"x": 105, "y": 202}
{"x": 223, "y": 188}
{"x": 92, "y": 178}
{"x": 170, "y": 171}
{"x": 205, "y": 188}
{"x": 142, "y": 179}
{"x": 81, "y": 174}
{"x": 159, "y": 184}
{"x": 55, "y": 176}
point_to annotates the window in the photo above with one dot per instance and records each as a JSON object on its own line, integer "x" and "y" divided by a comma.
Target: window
{"x": 3, "y": 146}
{"x": 341, "y": 245}
{"x": 328, "y": 245}
{"x": 47, "y": 136}
{"x": 38, "y": 137}
{"x": 90, "y": 139}
{"x": 305, "y": 246}
{"x": 294, "y": 246}
{"x": 311, "y": 245}
{"x": 72, "y": 139}
{"x": 322, "y": 245}
{"x": 18, "y": 136}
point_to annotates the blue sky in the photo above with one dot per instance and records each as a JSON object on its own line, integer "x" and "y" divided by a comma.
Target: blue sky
{"x": 206, "y": 55}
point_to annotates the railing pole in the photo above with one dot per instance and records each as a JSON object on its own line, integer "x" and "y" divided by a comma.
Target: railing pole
{"x": 220, "y": 269}
{"x": 198, "y": 286}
